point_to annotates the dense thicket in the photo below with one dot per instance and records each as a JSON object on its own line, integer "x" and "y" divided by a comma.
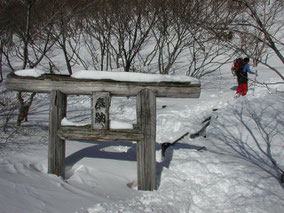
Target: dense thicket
{"x": 138, "y": 35}
{"x": 112, "y": 33}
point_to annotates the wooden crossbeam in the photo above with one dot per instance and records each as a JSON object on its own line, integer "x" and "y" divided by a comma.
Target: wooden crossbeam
{"x": 87, "y": 133}
{"x": 68, "y": 85}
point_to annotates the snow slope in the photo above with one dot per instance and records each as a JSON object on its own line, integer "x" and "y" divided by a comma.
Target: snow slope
{"x": 234, "y": 173}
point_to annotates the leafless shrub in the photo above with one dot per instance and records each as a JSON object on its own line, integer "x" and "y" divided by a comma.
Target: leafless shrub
{"x": 8, "y": 106}
{"x": 203, "y": 61}
{"x": 258, "y": 31}
{"x": 24, "y": 107}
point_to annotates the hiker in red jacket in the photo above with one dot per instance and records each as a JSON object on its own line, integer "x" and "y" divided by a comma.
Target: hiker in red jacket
{"x": 242, "y": 76}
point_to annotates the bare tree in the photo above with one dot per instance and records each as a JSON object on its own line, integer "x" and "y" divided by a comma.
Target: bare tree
{"x": 259, "y": 28}
{"x": 27, "y": 36}
{"x": 192, "y": 27}
{"x": 8, "y": 106}
{"x": 71, "y": 28}
{"x": 208, "y": 32}
{"x": 206, "y": 60}
{"x": 98, "y": 35}
{"x": 24, "y": 107}
{"x": 131, "y": 30}
{"x": 63, "y": 36}
{"x": 64, "y": 31}
{"x": 171, "y": 34}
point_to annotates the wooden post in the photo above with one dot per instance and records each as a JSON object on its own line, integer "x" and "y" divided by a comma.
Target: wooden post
{"x": 56, "y": 146}
{"x": 100, "y": 110}
{"x": 146, "y": 149}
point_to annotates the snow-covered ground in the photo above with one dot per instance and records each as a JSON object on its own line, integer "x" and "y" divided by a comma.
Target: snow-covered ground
{"x": 233, "y": 173}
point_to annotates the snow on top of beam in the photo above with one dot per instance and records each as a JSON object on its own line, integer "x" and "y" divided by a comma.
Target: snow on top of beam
{"x": 116, "y": 76}
{"x": 30, "y": 72}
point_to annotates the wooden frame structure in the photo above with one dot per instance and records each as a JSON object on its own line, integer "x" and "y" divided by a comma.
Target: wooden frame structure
{"x": 101, "y": 92}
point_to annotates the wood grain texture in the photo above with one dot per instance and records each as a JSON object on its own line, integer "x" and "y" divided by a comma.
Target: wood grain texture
{"x": 66, "y": 84}
{"x": 56, "y": 146}
{"x": 146, "y": 148}
{"x": 87, "y": 133}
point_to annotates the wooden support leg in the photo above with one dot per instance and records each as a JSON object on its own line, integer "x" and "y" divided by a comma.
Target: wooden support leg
{"x": 100, "y": 110}
{"x": 146, "y": 149}
{"x": 56, "y": 146}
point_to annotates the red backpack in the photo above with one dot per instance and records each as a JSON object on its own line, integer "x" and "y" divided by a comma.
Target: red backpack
{"x": 238, "y": 66}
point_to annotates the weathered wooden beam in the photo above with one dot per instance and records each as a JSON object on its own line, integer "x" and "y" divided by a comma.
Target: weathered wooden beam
{"x": 87, "y": 133}
{"x": 100, "y": 102}
{"x": 68, "y": 85}
{"x": 146, "y": 148}
{"x": 56, "y": 146}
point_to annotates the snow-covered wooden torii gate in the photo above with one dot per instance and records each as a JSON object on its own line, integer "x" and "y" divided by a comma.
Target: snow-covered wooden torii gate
{"x": 146, "y": 87}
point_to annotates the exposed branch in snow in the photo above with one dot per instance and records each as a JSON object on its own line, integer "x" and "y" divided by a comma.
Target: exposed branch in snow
{"x": 166, "y": 145}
